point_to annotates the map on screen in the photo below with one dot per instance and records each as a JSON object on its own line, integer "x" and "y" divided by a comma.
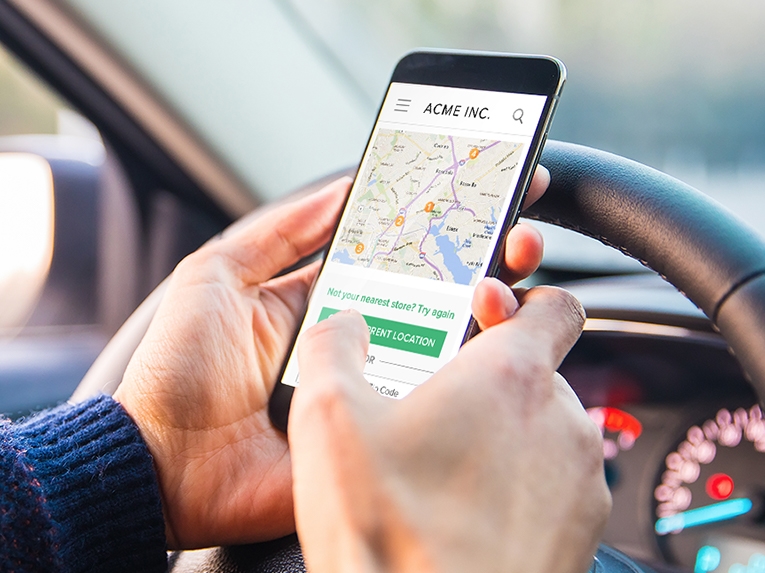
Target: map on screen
{"x": 428, "y": 205}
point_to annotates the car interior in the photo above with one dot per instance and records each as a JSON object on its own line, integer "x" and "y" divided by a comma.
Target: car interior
{"x": 146, "y": 165}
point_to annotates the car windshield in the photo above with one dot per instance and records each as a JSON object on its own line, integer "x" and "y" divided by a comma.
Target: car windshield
{"x": 285, "y": 91}
{"x": 675, "y": 84}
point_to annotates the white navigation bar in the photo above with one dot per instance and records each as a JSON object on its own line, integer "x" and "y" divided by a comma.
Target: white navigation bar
{"x": 465, "y": 109}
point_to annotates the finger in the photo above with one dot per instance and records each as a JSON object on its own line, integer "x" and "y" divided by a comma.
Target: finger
{"x": 285, "y": 298}
{"x": 524, "y": 248}
{"x": 539, "y": 184}
{"x": 286, "y": 235}
{"x": 332, "y": 355}
{"x": 293, "y": 288}
{"x": 565, "y": 390}
{"x": 539, "y": 335}
{"x": 493, "y": 302}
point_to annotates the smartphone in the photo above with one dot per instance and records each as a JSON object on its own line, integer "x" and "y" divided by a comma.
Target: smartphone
{"x": 443, "y": 178}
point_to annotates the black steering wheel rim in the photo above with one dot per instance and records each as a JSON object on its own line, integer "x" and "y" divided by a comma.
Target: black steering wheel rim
{"x": 705, "y": 251}
{"x": 715, "y": 259}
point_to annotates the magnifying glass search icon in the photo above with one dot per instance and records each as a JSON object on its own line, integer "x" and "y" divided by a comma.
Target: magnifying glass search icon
{"x": 518, "y": 115}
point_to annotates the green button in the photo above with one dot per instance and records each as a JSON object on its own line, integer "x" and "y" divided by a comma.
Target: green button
{"x": 400, "y": 335}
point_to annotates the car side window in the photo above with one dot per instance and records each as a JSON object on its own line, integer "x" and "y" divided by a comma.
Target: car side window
{"x": 69, "y": 245}
{"x": 83, "y": 241}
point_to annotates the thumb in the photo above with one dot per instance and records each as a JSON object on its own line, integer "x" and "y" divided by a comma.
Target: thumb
{"x": 328, "y": 416}
{"x": 332, "y": 355}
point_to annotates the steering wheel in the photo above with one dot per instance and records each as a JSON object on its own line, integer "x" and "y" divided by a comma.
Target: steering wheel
{"x": 711, "y": 256}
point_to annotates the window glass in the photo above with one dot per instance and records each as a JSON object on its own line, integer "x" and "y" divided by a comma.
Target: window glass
{"x": 285, "y": 90}
{"x": 676, "y": 84}
{"x": 78, "y": 237}
{"x": 258, "y": 86}
{"x": 26, "y": 106}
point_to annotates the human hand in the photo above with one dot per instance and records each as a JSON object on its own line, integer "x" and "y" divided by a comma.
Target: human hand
{"x": 199, "y": 383}
{"x": 492, "y": 465}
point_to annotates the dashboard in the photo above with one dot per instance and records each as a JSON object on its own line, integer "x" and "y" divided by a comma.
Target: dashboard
{"x": 684, "y": 435}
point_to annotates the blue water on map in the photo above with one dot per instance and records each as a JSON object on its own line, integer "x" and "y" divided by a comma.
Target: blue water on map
{"x": 462, "y": 274}
{"x": 342, "y": 257}
{"x": 436, "y": 229}
{"x": 489, "y": 229}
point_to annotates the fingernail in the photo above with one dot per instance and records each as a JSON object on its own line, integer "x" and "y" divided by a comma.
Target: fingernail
{"x": 346, "y": 311}
{"x": 511, "y": 303}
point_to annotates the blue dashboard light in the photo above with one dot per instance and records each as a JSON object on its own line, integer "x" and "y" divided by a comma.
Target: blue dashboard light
{"x": 702, "y": 515}
{"x": 757, "y": 563}
{"x": 707, "y": 559}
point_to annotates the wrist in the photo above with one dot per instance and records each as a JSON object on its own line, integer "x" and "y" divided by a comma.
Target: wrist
{"x": 155, "y": 438}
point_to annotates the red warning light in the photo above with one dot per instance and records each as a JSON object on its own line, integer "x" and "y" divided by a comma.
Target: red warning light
{"x": 719, "y": 486}
{"x": 616, "y": 420}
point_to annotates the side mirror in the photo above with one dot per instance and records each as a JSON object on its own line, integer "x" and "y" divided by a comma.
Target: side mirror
{"x": 26, "y": 234}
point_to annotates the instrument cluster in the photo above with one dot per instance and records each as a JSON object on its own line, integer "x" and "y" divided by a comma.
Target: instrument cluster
{"x": 684, "y": 449}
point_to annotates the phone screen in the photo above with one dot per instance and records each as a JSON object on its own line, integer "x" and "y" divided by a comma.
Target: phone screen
{"x": 442, "y": 173}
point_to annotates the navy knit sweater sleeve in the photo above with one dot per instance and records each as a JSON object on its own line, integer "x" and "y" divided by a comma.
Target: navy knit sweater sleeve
{"x": 79, "y": 493}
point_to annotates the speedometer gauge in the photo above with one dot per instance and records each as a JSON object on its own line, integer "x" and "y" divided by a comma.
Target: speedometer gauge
{"x": 708, "y": 501}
